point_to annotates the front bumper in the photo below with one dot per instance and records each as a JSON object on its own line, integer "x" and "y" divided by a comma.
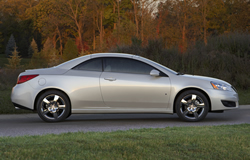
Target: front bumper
{"x": 219, "y": 97}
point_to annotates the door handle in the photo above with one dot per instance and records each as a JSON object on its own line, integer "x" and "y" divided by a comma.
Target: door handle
{"x": 110, "y": 79}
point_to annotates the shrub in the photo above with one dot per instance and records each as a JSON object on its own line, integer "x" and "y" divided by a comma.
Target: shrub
{"x": 70, "y": 51}
{"x": 32, "y": 48}
{"x": 236, "y": 43}
{"x": 8, "y": 78}
{"x": 14, "y": 60}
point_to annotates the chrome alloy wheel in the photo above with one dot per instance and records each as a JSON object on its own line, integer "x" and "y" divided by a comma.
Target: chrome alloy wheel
{"x": 192, "y": 106}
{"x": 53, "y": 107}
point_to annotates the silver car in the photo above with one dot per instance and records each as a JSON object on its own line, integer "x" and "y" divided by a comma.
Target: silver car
{"x": 119, "y": 83}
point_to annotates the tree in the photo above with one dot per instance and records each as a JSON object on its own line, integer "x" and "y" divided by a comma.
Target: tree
{"x": 213, "y": 16}
{"x": 32, "y": 48}
{"x": 1, "y": 42}
{"x": 10, "y": 46}
{"x": 54, "y": 59}
{"x": 50, "y": 21}
{"x": 37, "y": 61}
{"x": 75, "y": 11}
{"x": 70, "y": 50}
{"x": 146, "y": 7}
{"x": 14, "y": 60}
{"x": 135, "y": 5}
{"x": 48, "y": 51}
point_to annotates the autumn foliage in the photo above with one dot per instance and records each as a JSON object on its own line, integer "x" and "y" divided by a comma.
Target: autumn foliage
{"x": 98, "y": 25}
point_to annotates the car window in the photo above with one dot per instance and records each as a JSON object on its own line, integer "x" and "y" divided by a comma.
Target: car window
{"x": 90, "y": 65}
{"x": 125, "y": 65}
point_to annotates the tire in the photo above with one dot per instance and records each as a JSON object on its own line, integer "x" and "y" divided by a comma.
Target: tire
{"x": 68, "y": 115}
{"x": 53, "y": 106}
{"x": 192, "y": 106}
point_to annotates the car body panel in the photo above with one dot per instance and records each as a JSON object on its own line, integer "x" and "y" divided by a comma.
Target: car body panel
{"x": 135, "y": 91}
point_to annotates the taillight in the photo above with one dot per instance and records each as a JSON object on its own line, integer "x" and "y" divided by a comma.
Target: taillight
{"x": 26, "y": 78}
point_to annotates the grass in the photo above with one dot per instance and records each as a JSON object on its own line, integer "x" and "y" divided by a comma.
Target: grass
{"x": 210, "y": 142}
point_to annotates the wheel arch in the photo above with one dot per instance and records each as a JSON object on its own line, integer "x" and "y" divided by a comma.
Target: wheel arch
{"x": 192, "y": 88}
{"x": 47, "y": 89}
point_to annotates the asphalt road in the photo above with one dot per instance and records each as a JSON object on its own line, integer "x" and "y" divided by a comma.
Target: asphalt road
{"x": 31, "y": 124}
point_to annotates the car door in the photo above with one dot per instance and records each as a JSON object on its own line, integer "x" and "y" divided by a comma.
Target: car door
{"x": 127, "y": 86}
{"x": 84, "y": 86}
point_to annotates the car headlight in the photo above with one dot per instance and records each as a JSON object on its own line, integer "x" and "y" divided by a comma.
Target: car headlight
{"x": 221, "y": 86}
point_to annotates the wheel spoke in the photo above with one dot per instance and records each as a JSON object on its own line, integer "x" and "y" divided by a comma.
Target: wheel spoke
{"x": 185, "y": 112}
{"x": 195, "y": 115}
{"x": 194, "y": 97}
{"x": 45, "y": 112}
{"x": 46, "y": 101}
{"x": 56, "y": 98}
{"x": 201, "y": 105}
{"x": 183, "y": 101}
{"x": 55, "y": 115}
{"x": 61, "y": 106}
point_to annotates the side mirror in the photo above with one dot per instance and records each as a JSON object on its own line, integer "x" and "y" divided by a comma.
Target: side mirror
{"x": 155, "y": 73}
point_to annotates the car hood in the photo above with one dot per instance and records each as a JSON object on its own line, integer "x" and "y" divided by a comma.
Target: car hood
{"x": 205, "y": 78}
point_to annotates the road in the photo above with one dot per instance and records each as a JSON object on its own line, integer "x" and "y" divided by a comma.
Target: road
{"x": 31, "y": 124}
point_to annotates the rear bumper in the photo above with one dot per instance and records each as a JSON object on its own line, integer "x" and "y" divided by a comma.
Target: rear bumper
{"x": 18, "y": 106}
{"x": 22, "y": 96}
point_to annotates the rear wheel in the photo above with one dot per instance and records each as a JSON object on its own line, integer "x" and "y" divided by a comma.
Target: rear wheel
{"x": 192, "y": 106}
{"x": 53, "y": 106}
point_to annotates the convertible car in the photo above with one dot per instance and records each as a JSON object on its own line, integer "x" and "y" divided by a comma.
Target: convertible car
{"x": 119, "y": 83}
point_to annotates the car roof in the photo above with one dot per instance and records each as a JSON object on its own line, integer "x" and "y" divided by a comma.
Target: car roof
{"x": 74, "y": 62}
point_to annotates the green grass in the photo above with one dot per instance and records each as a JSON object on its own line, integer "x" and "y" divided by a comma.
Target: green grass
{"x": 210, "y": 142}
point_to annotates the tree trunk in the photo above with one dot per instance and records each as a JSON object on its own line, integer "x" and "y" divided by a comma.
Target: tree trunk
{"x": 184, "y": 28}
{"x": 136, "y": 18}
{"x": 93, "y": 32}
{"x": 54, "y": 40}
{"x": 118, "y": 27}
{"x": 60, "y": 40}
{"x": 204, "y": 16}
{"x": 142, "y": 23}
{"x": 101, "y": 31}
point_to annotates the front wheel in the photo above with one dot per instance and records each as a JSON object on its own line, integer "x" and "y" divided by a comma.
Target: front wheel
{"x": 192, "y": 106}
{"x": 53, "y": 106}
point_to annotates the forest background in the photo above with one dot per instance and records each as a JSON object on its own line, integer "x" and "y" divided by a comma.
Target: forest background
{"x": 204, "y": 37}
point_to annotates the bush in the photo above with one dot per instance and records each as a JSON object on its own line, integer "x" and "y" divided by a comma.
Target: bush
{"x": 8, "y": 78}
{"x": 236, "y": 43}
{"x": 70, "y": 51}
{"x": 14, "y": 60}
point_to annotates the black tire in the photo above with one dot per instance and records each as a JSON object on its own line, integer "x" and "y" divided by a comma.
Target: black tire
{"x": 192, "y": 106}
{"x": 68, "y": 115}
{"x": 53, "y": 106}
